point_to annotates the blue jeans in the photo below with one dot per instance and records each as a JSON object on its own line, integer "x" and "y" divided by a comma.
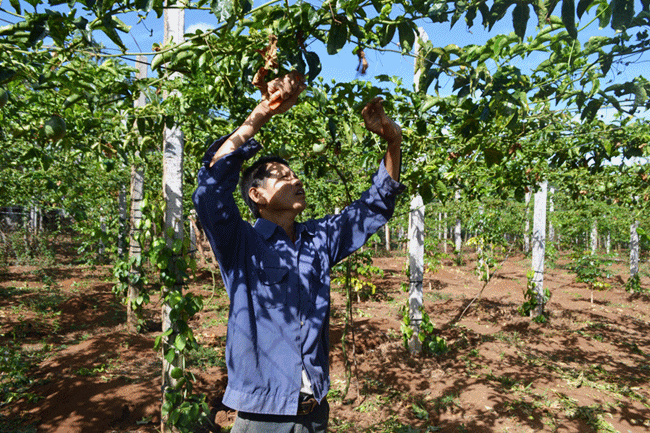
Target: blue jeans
{"x": 314, "y": 422}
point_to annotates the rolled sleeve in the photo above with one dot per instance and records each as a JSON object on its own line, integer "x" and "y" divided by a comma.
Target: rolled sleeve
{"x": 245, "y": 151}
{"x": 213, "y": 198}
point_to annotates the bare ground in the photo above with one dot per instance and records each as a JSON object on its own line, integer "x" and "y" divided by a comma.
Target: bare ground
{"x": 586, "y": 370}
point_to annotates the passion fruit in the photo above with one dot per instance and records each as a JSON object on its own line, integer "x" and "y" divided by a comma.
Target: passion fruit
{"x": 319, "y": 147}
{"x": 54, "y": 128}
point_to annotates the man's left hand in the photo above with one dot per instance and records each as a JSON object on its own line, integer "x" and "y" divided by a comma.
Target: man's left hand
{"x": 376, "y": 120}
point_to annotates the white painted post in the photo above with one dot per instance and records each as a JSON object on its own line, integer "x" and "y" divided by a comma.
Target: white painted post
{"x": 174, "y": 24}
{"x": 551, "y": 209}
{"x": 539, "y": 244}
{"x": 634, "y": 249}
{"x": 416, "y": 240}
{"x": 102, "y": 226}
{"x": 121, "y": 200}
{"x": 458, "y": 229}
{"x": 137, "y": 195}
{"x": 387, "y": 235}
{"x": 416, "y": 270}
{"x": 594, "y": 236}
{"x": 481, "y": 271}
{"x": 527, "y": 225}
{"x": 445, "y": 233}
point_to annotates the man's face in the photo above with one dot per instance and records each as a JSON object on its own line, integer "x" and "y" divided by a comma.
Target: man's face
{"x": 281, "y": 191}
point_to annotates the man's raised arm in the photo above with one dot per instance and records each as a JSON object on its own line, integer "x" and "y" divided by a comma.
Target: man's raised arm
{"x": 377, "y": 121}
{"x": 288, "y": 87}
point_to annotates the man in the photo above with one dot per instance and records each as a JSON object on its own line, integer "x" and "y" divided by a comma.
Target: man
{"x": 277, "y": 272}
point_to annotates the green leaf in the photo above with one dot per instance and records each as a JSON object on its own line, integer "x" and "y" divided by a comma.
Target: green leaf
{"x": 313, "y": 62}
{"x": 640, "y": 95}
{"x": 589, "y": 112}
{"x": 461, "y": 7}
{"x": 438, "y": 11}
{"x": 470, "y": 15}
{"x": 16, "y": 6}
{"x": 569, "y": 17}
{"x": 37, "y": 33}
{"x": 622, "y": 13}
{"x": 583, "y": 5}
{"x": 541, "y": 10}
{"x": 331, "y": 125}
{"x": 170, "y": 355}
{"x": 246, "y": 6}
{"x": 180, "y": 342}
{"x": 520, "y": 16}
{"x": 492, "y": 156}
{"x": 604, "y": 14}
{"x": 157, "y": 341}
{"x": 428, "y": 103}
{"x": 441, "y": 190}
{"x": 606, "y": 60}
{"x": 144, "y": 5}
{"x": 6, "y": 74}
{"x": 337, "y": 37}
{"x": 108, "y": 24}
{"x": 406, "y": 36}
{"x": 386, "y": 34}
{"x": 72, "y": 99}
{"x": 498, "y": 11}
{"x": 223, "y": 9}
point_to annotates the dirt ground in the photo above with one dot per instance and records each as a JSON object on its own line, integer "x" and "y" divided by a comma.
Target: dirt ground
{"x": 586, "y": 370}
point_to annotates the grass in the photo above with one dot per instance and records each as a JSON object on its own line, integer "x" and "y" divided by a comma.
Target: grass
{"x": 16, "y": 425}
{"x": 446, "y": 402}
{"x": 205, "y": 357}
{"x": 15, "y": 364}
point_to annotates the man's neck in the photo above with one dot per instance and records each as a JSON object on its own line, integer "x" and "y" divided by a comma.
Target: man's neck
{"x": 286, "y": 221}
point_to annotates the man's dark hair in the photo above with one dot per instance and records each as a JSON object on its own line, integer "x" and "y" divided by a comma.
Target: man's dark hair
{"x": 255, "y": 176}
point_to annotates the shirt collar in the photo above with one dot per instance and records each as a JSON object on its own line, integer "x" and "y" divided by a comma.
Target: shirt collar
{"x": 267, "y": 228}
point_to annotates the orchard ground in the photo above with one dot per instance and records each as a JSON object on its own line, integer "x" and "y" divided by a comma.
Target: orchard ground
{"x": 69, "y": 365}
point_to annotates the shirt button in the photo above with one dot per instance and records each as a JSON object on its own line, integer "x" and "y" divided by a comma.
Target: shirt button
{"x": 302, "y": 323}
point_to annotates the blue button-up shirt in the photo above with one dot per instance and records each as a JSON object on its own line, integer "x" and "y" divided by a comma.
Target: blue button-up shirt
{"x": 279, "y": 290}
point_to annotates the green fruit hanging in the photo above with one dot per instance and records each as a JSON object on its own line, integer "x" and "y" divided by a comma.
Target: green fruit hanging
{"x": 54, "y": 128}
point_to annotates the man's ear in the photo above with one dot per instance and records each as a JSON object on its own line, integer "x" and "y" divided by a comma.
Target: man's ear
{"x": 255, "y": 195}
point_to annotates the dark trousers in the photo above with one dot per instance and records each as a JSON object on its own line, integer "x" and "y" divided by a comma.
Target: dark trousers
{"x": 314, "y": 422}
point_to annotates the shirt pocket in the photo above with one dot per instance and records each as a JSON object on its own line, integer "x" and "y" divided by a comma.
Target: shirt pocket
{"x": 320, "y": 282}
{"x": 272, "y": 291}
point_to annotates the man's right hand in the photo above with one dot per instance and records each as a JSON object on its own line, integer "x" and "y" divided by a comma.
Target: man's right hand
{"x": 283, "y": 93}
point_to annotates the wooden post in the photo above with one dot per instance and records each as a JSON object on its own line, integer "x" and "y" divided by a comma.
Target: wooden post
{"x": 539, "y": 245}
